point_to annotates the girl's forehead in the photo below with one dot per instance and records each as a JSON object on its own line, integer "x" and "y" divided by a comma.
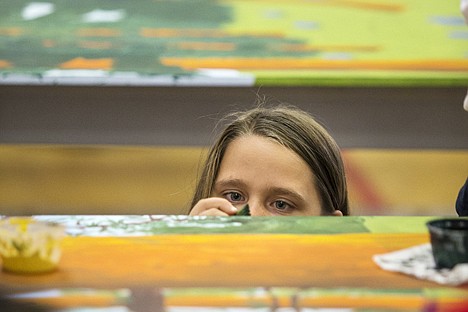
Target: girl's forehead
{"x": 260, "y": 145}
{"x": 255, "y": 158}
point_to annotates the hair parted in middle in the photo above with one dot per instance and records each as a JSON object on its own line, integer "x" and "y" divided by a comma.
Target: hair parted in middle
{"x": 294, "y": 129}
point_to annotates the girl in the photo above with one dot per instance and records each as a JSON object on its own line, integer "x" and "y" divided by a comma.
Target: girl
{"x": 279, "y": 161}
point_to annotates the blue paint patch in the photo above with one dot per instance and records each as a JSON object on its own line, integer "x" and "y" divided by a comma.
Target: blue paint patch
{"x": 463, "y": 35}
{"x": 306, "y": 25}
{"x": 447, "y": 20}
{"x": 274, "y": 14}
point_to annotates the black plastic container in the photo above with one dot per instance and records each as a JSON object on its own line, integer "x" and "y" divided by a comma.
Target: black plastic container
{"x": 449, "y": 240}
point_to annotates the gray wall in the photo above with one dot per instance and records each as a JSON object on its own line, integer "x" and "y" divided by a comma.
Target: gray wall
{"x": 356, "y": 117}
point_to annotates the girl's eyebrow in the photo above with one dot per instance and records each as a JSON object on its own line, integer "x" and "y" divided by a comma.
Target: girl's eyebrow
{"x": 229, "y": 183}
{"x": 287, "y": 192}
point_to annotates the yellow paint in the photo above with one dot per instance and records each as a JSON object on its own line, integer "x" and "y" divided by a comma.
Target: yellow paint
{"x": 412, "y": 181}
{"x": 27, "y": 265}
{"x": 160, "y": 180}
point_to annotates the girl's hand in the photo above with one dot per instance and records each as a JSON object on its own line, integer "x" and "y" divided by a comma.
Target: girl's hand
{"x": 213, "y": 206}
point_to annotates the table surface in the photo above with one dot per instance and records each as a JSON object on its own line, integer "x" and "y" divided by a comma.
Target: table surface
{"x": 242, "y": 43}
{"x": 170, "y": 261}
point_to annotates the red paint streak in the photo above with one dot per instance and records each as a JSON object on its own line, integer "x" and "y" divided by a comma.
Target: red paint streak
{"x": 365, "y": 189}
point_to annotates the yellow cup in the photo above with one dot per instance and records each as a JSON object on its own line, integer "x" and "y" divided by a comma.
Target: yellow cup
{"x": 30, "y": 246}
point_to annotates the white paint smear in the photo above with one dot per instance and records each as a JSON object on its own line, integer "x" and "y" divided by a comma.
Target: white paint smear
{"x": 104, "y": 16}
{"x": 36, "y": 10}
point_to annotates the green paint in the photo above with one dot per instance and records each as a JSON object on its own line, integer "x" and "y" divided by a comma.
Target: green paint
{"x": 245, "y": 211}
{"x": 148, "y": 225}
{"x": 397, "y": 224}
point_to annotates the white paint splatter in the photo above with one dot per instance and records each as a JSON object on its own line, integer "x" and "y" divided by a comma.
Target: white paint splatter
{"x": 36, "y": 10}
{"x": 104, "y": 16}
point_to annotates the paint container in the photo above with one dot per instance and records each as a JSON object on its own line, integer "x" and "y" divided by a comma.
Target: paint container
{"x": 30, "y": 246}
{"x": 449, "y": 240}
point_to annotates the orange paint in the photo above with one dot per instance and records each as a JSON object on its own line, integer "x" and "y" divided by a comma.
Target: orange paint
{"x": 365, "y": 5}
{"x": 71, "y": 301}
{"x": 11, "y": 31}
{"x": 172, "y": 32}
{"x": 223, "y": 300}
{"x": 231, "y": 260}
{"x": 201, "y": 33}
{"x": 100, "y": 45}
{"x": 381, "y": 301}
{"x": 238, "y": 260}
{"x": 314, "y": 64}
{"x": 48, "y": 43}
{"x": 5, "y": 64}
{"x": 330, "y": 48}
{"x": 84, "y": 63}
{"x": 205, "y": 46}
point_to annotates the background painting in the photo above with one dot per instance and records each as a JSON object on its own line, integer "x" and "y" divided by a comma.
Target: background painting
{"x": 290, "y": 42}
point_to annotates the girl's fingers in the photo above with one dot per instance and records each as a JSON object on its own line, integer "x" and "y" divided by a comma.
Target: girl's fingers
{"x": 213, "y": 212}
{"x": 213, "y": 206}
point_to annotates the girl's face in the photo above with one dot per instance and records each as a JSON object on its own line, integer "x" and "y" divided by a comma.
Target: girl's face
{"x": 272, "y": 179}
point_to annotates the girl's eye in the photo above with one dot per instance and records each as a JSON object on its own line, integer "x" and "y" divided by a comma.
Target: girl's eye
{"x": 234, "y": 197}
{"x": 282, "y": 206}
